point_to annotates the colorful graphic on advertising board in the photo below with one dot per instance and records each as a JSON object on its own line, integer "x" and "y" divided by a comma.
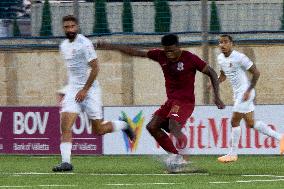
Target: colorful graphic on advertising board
{"x": 136, "y": 124}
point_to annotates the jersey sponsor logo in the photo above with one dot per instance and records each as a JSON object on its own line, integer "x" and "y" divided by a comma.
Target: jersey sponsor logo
{"x": 175, "y": 109}
{"x": 136, "y": 124}
{"x": 175, "y": 115}
{"x": 180, "y": 66}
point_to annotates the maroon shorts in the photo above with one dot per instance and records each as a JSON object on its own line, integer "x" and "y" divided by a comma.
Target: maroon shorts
{"x": 176, "y": 110}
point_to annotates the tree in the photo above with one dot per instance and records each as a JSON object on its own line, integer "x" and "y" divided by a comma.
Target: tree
{"x": 162, "y": 16}
{"x": 10, "y": 8}
{"x": 16, "y": 29}
{"x": 101, "y": 25}
{"x": 282, "y": 20}
{"x": 214, "y": 19}
{"x": 46, "y": 29}
{"x": 127, "y": 18}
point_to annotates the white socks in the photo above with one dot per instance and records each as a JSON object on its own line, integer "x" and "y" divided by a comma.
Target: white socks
{"x": 236, "y": 134}
{"x": 259, "y": 126}
{"x": 265, "y": 129}
{"x": 65, "y": 149}
{"x": 119, "y": 125}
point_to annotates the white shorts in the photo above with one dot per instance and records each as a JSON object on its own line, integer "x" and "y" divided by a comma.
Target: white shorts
{"x": 92, "y": 104}
{"x": 244, "y": 106}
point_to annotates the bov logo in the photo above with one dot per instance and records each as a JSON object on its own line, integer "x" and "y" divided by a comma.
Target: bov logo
{"x": 136, "y": 124}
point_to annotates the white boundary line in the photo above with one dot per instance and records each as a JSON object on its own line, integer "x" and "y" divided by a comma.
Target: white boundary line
{"x": 140, "y": 184}
{"x": 57, "y": 185}
{"x": 41, "y": 157}
{"x": 106, "y": 174}
{"x": 275, "y": 176}
{"x": 260, "y": 176}
{"x": 219, "y": 182}
{"x": 28, "y": 186}
{"x": 248, "y": 181}
{"x": 280, "y": 178}
{"x": 7, "y": 186}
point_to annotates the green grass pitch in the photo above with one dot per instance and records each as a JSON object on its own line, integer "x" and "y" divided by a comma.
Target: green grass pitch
{"x": 143, "y": 171}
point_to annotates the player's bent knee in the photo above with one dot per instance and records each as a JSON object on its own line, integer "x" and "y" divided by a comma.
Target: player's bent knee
{"x": 235, "y": 123}
{"x": 97, "y": 131}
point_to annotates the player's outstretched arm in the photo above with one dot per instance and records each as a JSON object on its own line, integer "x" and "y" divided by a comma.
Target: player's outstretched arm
{"x": 215, "y": 83}
{"x": 132, "y": 51}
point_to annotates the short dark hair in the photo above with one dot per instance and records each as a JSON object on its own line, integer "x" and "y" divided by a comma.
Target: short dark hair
{"x": 169, "y": 39}
{"x": 69, "y": 18}
{"x": 228, "y": 36}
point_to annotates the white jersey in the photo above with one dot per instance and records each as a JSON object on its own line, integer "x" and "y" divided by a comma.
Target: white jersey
{"x": 77, "y": 55}
{"x": 235, "y": 67}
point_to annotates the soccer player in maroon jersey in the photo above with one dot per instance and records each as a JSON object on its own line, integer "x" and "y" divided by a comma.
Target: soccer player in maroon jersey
{"x": 179, "y": 68}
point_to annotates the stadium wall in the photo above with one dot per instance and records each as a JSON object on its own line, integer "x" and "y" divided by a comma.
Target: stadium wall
{"x": 32, "y": 77}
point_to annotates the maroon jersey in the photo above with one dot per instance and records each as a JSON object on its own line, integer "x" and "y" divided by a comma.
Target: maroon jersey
{"x": 180, "y": 75}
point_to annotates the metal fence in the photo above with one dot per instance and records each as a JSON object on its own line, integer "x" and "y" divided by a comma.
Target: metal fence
{"x": 43, "y": 17}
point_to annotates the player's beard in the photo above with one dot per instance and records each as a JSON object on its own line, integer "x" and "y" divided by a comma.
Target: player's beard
{"x": 71, "y": 35}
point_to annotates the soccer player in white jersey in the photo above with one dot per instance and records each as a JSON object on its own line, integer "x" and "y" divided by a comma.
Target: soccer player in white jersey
{"x": 83, "y": 92}
{"x": 234, "y": 66}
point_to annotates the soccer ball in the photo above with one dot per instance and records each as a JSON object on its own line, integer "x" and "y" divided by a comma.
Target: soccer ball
{"x": 175, "y": 163}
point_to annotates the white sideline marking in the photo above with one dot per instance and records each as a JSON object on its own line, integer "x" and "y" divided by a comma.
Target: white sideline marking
{"x": 16, "y": 186}
{"x": 247, "y": 181}
{"x": 259, "y": 175}
{"x": 42, "y": 157}
{"x": 50, "y": 185}
{"x": 57, "y": 185}
{"x": 140, "y": 184}
{"x": 219, "y": 182}
{"x": 106, "y": 174}
{"x": 22, "y": 174}
{"x": 146, "y": 174}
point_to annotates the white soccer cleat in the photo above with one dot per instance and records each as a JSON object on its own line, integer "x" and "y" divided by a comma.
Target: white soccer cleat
{"x": 175, "y": 163}
{"x": 228, "y": 158}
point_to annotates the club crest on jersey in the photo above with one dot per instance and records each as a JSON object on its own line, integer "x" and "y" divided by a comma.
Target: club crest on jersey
{"x": 180, "y": 66}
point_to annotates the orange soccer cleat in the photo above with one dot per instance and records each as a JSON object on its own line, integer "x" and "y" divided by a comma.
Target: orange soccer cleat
{"x": 282, "y": 145}
{"x": 228, "y": 158}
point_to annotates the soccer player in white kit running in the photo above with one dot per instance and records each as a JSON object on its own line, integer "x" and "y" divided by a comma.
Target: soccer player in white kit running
{"x": 234, "y": 66}
{"x": 83, "y": 91}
